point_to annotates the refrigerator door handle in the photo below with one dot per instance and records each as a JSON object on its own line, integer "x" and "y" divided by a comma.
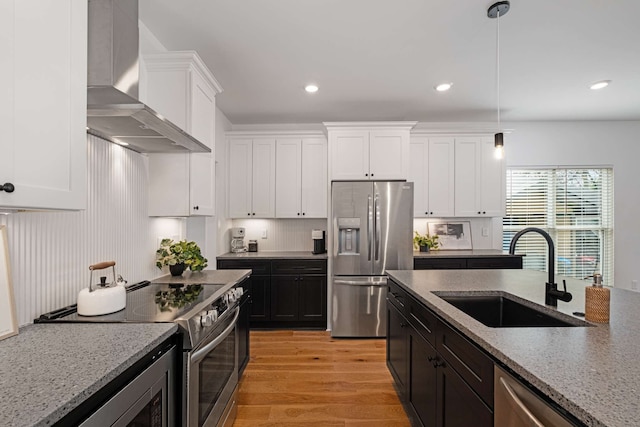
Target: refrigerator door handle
{"x": 369, "y": 227}
{"x": 377, "y": 227}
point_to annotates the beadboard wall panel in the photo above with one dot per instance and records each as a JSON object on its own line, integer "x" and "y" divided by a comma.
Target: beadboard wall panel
{"x": 51, "y": 251}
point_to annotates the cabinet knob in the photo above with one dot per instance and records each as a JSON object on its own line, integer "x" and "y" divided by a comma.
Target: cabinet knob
{"x": 7, "y": 187}
{"x": 298, "y": 213}
{"x": 426, "y": 213}
{"x": 253, "y": 213}
{"x": 430, "y": 213}
{"x": 195, "y": 208}
{"x": 248, "y": 213}
{"x": 437, "y": 364}
{"x": 366, "y": 174}
{"x": 484, "y": 212}
{"x": 371, "y": 174}
{"x": 478, "y": 212}
{"x": 303, "y": 214}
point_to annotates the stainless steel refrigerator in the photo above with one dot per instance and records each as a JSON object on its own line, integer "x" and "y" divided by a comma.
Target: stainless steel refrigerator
{"x": 372, "y": 226}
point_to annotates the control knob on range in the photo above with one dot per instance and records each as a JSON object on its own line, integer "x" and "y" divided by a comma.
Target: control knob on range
{"x": 205, "y": 319}
{"x": 231, "y": 296}
{"x": 238, "y": 292}
{"x": 213, "y": 315}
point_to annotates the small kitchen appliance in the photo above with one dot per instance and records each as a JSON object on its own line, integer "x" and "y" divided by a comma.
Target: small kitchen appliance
{"x": 253, "y": 246}
{"x": 102, "y": 298}
{"x": 319, "y": 246}
{"x": 237, "y": 240}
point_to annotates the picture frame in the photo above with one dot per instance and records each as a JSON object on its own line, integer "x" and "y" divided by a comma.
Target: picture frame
{"x": 454, "y": 235}
{"x": 8, "y": 318}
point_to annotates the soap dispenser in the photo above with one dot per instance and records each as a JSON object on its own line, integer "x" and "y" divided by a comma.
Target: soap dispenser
{"x": 597, "y": 301}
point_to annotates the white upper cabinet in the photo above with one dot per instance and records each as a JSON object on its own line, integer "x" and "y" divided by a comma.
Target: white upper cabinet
{"x": 369, "y": 151}
{"x": 432, "y": 172}
{"x": 479, "y": 178}
{"x": 301, "y": 177}
{"x": 180, "y": 87}
{"x": 252, "y": 172}
{"x": 43, "y": 104}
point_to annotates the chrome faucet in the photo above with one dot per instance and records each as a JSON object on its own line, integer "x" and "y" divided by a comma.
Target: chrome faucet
{"x": 552, "y": 294}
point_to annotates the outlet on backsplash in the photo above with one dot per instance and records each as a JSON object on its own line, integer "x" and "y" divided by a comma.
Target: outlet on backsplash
{"x": 264, "y": 234}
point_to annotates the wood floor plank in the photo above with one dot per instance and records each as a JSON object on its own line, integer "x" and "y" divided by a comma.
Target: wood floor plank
{"x": 307, "y": 378}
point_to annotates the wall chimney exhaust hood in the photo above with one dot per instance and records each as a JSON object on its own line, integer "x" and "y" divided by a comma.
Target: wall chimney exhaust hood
{"x": 114, "y": 112}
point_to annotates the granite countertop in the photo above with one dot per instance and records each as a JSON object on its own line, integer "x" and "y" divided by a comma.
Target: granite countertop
{"x": 273, "y": 255}
{"x": 592, "y": 372}
{"x": 473, "y": 253}
{"x": 49, "y": 369}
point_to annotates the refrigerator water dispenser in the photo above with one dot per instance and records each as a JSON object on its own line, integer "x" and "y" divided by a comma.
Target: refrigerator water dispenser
{"x": 348, "y": 236}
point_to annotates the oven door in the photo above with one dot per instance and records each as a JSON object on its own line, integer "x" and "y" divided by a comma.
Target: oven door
{"x": 212, "y": 375}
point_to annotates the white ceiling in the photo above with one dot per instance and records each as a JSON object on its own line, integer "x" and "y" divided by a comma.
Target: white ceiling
{"x": 379, "y": 59}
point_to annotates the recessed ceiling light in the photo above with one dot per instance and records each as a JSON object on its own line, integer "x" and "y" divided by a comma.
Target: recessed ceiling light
{"x": 600, "y": 85}
{"x": 443, "y": 87}
{"x": 311, "y": 88}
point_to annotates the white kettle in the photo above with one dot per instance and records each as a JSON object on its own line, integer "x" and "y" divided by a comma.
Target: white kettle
{"x": 102, "y": 298}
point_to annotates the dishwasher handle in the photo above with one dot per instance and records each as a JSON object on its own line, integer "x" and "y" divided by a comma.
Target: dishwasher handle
{"x": 518, "y": 407}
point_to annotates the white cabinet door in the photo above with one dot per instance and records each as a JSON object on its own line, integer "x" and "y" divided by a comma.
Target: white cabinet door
{"x": 179, "y": 86}
{"x": 201, "y": 184}
{"x": 388, "y": 155}
{"x": 203, "y": 110}
{"x": 168, "y": 179}
{"x": 432, "y": 173}
{"x": 263, "y": 183}
{"x": 43, "y": 104}
{"x": 349, "y": 155}
{"x": 419, "y": 175}
{"x": 288, "y": 178}
{"x": 314, "y": 178}
{"x": 240, "y": 177}
{"x": 492, "y": 180}
{"x": 480, "y": 180}
{"x": 441, "y": 177}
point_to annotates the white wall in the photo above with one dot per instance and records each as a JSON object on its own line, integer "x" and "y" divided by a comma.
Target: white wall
{"x": 614, "y": 144}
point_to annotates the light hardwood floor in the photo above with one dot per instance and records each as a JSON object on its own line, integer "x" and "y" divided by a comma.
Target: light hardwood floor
{"x": 307, "y": 378}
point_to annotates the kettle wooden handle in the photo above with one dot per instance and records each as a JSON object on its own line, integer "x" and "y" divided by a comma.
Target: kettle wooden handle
{"x": 102, "y": 265}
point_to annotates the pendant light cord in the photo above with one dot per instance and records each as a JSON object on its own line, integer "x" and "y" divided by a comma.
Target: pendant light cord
{"x": 498, "y": 66}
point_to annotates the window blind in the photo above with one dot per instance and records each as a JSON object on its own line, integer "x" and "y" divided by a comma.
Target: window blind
{"x": 575, "y": 206}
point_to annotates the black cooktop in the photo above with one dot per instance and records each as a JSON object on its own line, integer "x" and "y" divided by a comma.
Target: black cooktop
{"x": 146, "y": 303}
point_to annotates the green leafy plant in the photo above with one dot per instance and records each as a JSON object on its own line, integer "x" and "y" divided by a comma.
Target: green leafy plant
{"x": 430, "y": 241}
{"x": 172, "y": 253}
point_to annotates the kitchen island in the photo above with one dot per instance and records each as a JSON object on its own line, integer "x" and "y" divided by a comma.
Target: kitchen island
{"x": 591, "y": 372}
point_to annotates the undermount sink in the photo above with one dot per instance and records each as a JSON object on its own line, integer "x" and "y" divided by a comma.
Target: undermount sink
{"x": 504, "y": 311}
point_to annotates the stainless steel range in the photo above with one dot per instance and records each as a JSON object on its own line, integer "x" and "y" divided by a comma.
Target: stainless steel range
{"x": 207, "y": 316}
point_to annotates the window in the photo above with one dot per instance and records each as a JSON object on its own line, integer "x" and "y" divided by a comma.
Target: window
{"x": 575, "y": 206}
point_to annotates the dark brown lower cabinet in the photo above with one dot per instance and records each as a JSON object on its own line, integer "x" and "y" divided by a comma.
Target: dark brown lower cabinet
{"x": 433, "y": 392}
{"x": 285, "y": 293}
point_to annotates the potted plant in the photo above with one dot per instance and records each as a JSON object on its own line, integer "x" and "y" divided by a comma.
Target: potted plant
{"x": 180, "y": 255}
{"x": 425, "y": 242}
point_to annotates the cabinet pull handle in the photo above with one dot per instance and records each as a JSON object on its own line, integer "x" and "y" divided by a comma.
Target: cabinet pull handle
{"x": 7, "y": 187}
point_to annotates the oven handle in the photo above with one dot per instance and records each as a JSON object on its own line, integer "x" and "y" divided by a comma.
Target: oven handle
{"x": 201, "y": 353}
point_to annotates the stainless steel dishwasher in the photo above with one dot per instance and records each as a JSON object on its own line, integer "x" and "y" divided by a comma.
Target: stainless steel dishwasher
{"x": 516, "y": 405}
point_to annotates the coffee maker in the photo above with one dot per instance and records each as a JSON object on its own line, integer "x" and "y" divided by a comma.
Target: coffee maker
{"x": 237, "y": 240}
{"x": 318, "y": 237}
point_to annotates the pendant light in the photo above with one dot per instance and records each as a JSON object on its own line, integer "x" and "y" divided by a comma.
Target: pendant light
{"x": 497, "y": 10}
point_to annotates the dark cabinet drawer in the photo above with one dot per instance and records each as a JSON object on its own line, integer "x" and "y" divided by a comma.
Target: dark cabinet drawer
{"x": 471, "y": 363}
{"x": 439, "y": 263}
{"x": 423, "y": 320}
{"x": 495, "y": 262}
{"x": 398, "y": 297}
{"x": 301, "y": 266}
{"x": 258, "y": 267}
